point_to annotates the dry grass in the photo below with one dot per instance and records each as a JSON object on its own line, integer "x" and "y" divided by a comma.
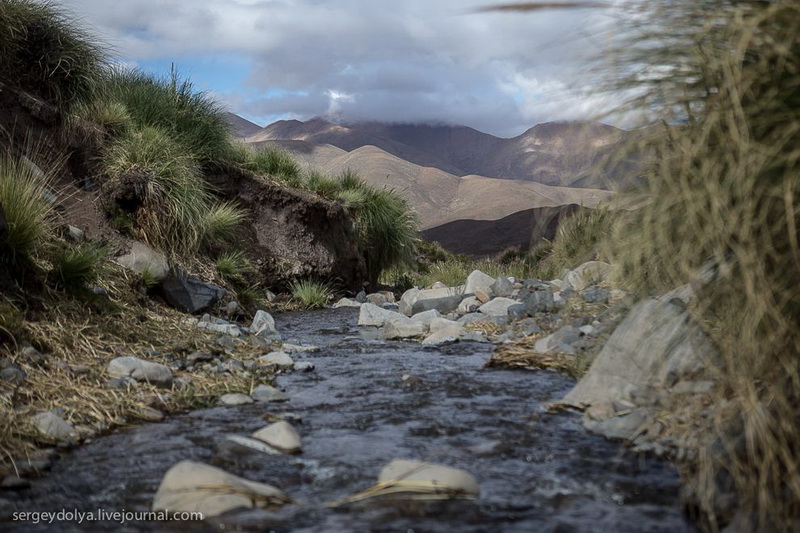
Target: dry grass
{"x": 74, "y": 335}
{"x": 521, "y": 356}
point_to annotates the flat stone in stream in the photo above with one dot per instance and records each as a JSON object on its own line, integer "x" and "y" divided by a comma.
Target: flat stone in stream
{"x": 190, "y": 486}
{"x": 265, "y": 393}
{"x": 433, "y": 480}
{"x": 277, "y": 359}
{"x": 281, "y": 436}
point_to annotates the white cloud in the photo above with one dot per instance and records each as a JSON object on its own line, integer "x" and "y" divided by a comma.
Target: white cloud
{"x": 414, "y": 60}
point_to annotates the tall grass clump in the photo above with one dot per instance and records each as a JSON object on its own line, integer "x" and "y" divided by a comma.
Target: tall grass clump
{"x": 272, "y": 161}
{"x": 310, "y": 294}
{"x": 151, "y": 176}
{"x": 724, "y": 190}
{"x": 580, "y": 237}
{"x": 192, "y": 118}
{"x": 25, "y": 210}
{"x": 44, "y": 51}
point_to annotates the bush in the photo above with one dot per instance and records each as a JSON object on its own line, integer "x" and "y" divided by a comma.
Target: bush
{"x": 234, "y": 267}
{"x": 193, "y": 119}
{"x": 74, "y": 267}
{"x": 724, "y": 191}
{"x": 310, "y": 294}
{"x": 579, "y": 238}
{"x": 44, "y": 51}
{"x": 24, "y": 207}
{"x": 151, "y": 176}
{"x": 272, "y": 161}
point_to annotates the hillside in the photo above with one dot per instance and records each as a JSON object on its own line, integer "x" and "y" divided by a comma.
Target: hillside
{"x": 440, "y": 197}
{"x": 561, "y": 154}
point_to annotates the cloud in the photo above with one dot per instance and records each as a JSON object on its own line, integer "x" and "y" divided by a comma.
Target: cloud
{"x": 414, "y": 60}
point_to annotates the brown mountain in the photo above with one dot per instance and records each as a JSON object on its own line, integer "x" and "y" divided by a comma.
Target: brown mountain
{"x": 556, "y": 153}
{"x": 521, "y": 230}
{"x": 440, "y": 197}
{"x": 241, "y": 127}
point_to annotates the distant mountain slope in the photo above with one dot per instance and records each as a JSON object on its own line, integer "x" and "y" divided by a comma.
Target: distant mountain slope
{"x": 554, "y": 153}
{"x": 437, "y": 196}
{"x": 523, "y": 230}
{"x": 241, "y": 127}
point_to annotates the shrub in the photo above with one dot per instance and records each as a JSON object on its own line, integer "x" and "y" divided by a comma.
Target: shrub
{"x": 234, "y": 267}
{"x": 151, "y": 176}
{"x": 44, "y": 51}
{"x": 24, "y": 206}
{"x": 724, "y": 190}
{"x": 579, "y": 238}
{"x": 74, "y": 267}
{"x": 272, "y": 161}
{"x": 221, "y": 221}
{"x": 193, "y": 119}
{"x": 310, "y": 294}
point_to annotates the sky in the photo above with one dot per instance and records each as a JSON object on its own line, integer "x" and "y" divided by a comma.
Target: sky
{"x": 408, "y": 61}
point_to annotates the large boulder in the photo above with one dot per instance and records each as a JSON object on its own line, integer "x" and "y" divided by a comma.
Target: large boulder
{"x": 189, "y": 293}
{"x": 478, "y": 280}
{"x": 656, "y": 346}
{"x": 140, "y": 370}
{"x": 190, "y": 486}
{"x": 140, "y": 258}
{"x": 372, "y": 315}
{"x": 403, "y": 327}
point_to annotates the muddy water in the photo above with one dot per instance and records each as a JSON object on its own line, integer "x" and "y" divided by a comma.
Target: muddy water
{"x": 367, "y": 403}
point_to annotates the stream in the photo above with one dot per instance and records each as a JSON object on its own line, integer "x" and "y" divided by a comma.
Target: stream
{"x": 366, "y": 403}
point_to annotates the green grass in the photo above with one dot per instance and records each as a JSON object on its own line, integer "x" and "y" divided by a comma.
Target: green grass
{"x": 311, "y": 294}
{"x": 272, "y": 161}
{"x": 76, "y": 266}
{"x": 151, "y": 175}
{"x": 222, "y": 221}
{"x": 44, "y": 50}
{"x": 234, "y": 267}
{"x": 192, "y": 118}
{"x": 25, "y": 206}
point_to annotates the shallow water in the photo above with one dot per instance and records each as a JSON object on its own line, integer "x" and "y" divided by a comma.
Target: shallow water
{"x": 367, "y": 403}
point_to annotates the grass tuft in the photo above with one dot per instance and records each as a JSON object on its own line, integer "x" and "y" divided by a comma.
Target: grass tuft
{"x": 25, "y": 209}
{"x": 311, "y": 294}
{"x": 76, "y": 266}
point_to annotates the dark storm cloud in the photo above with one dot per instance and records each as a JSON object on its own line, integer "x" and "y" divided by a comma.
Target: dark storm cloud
{"x": 414, "y": 60}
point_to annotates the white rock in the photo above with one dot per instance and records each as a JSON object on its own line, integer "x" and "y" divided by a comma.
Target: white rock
{"x": 304, "y": 366}
{"x": 403, "y": 328}
{"x": 426, "y": 317}
{"x": 478, "y": 280}
{"x": 142, "y": 258}
{"x": 281, "y": 436}
{"x": 468, "y": 303}
{"x": 232, "y": 442}
{"x": 235, "y": 398}
{"x": 263, "y": 324}
{"x": 587, "y": 274}
{"x": 412, "y": 474}
{"x": 298, "y": 348}
{"x": 438, "y": 285}
{"x": 277, "y": 359}
{"x": 441, "y": 323}
{"x": 443, "y": 300}
{"x": 52, "y": 425}
{"x": 231, "y": 330}
{"x": 372, "y": 315}
{"x": 497, "y": 307}
{"x": 442, "y": 336}
{"x": 140, "y": 370}
{"x": 190, "y": 486}
{"x": 407, "y": 300}
{"x": 346, "y": 302}
{"x": 265, "y": 393}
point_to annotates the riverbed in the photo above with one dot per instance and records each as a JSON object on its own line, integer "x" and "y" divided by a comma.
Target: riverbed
{"x": 367, "y": 402}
